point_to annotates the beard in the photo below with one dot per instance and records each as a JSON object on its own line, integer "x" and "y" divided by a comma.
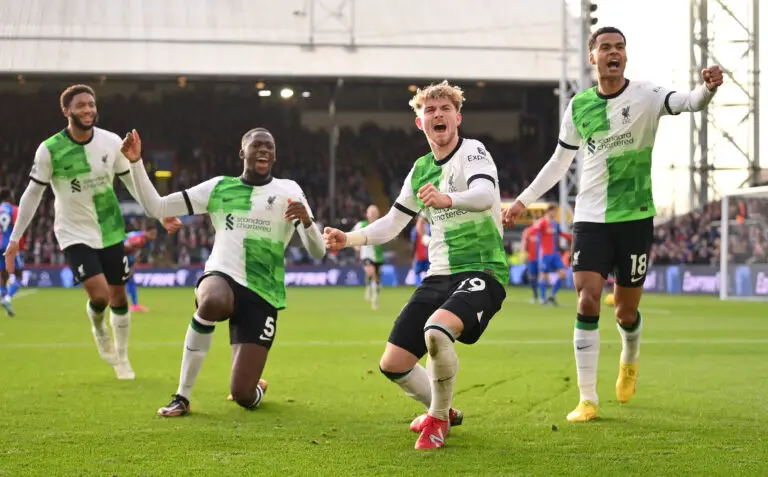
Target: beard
{"x": 79, "y": 124}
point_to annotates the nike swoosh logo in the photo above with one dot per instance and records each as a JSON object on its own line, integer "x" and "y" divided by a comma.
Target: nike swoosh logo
{"x": 634, "y": 280}
{"x": 445, "y": 379}
{"x": 583, "y": 347}
{"x": 190, "y": 349}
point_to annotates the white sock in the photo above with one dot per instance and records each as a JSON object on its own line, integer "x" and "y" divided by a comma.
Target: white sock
{"x": 196, "y": 346}
{"x": 586, "y": 347}
{"x": 121, "y": 330}
{"x": 442, "y": 365}
{"x": 416, "y": 385}
{"x": 374, "y": 292}
{"x": 96, "y": 317}
{"x": 630, "y": 341}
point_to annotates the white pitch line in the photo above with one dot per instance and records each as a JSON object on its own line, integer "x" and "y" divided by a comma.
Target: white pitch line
{"x": 165, "y": 344}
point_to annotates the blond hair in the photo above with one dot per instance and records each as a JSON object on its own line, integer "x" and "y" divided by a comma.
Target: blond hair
{"x": 437, "y": 91}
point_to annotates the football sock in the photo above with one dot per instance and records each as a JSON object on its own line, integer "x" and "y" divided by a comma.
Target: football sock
{"x": 96, "y": 315}
{"x": 121, "y": 330}
{"x": 3, "y": 292}
{"x": 535, "y": 288}
{"x": 375, "y": 292}
{"x": 543, "y": 289}
{"x": 442, "y": 366}
{"x": 196, "y": 345}
{"x": 586, "y": 346}
{"x": 130, "y": 287}
{"x": 415, "y": 384}
{"x": 630, "y": 341}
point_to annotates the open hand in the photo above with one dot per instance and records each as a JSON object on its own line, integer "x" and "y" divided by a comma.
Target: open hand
{"x": 10, "y": 256}
{"x": 510, "y": 215}
{"x": 131, "y": 148}
{"x": 297, "y": 210}
{"x": 171, "y": 224}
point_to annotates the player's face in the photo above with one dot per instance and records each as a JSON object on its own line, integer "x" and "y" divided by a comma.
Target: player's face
{"x": 258, "y": 152}
{"x": 439, "y": 120}
{"x": 372, "y": 214}
{"x": 609, "y": 55}
{"x": 151, "y": 234}
{"x": 82, "y": 111}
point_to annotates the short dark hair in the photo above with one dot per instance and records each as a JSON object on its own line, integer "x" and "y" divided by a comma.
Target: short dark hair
{"x": 151, "y": 227}
{"x": 6, "y": 195}
{"x": 72, "y": 91}
{"x": 600, "y": 31}
{"x": 252, "y": 131}
{"x": 551, "y": 207}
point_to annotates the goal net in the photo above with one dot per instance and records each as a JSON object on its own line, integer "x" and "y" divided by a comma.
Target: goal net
{"x": 744, "y": 244}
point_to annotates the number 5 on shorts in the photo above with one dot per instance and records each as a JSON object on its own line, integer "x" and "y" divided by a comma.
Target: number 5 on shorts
{"x": 269, "y": 329}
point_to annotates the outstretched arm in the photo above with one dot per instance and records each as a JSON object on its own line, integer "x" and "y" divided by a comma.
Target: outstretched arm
{"x": 550, "y": 174}
{"x": 383, "y": 230}
{"x": 188, "y": 202}
{"x": 696, "y": 100}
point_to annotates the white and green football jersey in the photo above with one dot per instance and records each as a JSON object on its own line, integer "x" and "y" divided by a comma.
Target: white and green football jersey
{"x": 617, "y": 134}
{"x": 82, "y": 178}
{"x": 461, "y": 241}
{"x": 374, "y": 253}
{"x": 251, "y": 231}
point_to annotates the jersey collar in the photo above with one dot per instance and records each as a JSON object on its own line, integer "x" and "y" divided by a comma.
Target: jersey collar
{"x": 259, "y": 182}
{"x": 79, "y": 143}
{"x": 614, "y": 95}
{"x": 447, "y": 158}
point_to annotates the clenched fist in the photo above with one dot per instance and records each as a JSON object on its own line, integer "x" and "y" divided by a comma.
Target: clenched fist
{"x": 335, "y": 239}
{"x": 712, "y": 76}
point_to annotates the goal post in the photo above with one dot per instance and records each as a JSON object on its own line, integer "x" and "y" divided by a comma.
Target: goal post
{"x": 744, "y": 244}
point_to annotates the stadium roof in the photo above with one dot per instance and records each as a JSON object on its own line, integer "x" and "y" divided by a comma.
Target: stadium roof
{"x": 455, "y": 39}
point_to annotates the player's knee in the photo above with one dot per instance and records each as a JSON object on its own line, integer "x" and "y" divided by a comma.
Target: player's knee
{"x": 589, "y": 301}
{"x": 395, "y": 365}
{"x": 246, "y": 399}
{"x": 99, "y": 301}
{"x": 212, "y": 307}
{"x": 625, "y": 315}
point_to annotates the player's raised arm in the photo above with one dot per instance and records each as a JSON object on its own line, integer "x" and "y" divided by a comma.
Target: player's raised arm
{"x": 674, "y": 103}
{"x": 188, "y": 202}
{"x": 300, "y": 213}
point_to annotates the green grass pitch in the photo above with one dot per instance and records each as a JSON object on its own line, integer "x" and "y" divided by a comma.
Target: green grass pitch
{"x": 701, "y": 406}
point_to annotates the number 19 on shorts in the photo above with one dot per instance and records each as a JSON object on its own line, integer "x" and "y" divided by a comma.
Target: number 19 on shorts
{"x": 639, "y": 266}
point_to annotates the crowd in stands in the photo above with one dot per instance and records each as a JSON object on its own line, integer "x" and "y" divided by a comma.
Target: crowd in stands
{"x": 694, "y": 238}
{"x": 197, "y": 134}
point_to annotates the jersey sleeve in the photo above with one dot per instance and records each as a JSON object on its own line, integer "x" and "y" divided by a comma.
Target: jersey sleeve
{"x": 303, "y": 199}
{"x": 196, "y": 198}
{"x": 660, "y": 100}
{"x": 478, "y": 165}
{"x": 42, "y": 170}
{"x": 406, "y": 201}
{"x": 569, "y": 137}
